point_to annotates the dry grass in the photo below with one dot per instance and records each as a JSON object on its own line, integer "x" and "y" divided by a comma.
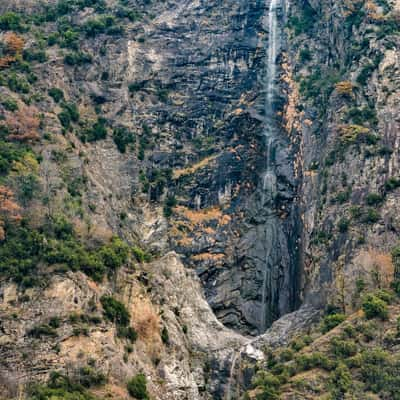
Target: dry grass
{"x": 191, "y": 170}
{"x": 208, "y": 257}
{"x": 146, "y": 320}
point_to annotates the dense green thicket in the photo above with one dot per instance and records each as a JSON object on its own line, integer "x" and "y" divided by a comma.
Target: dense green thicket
{"x": 61, "y": 387}
{"x": 25, "y": 251}
{"x": 137, "y": 387}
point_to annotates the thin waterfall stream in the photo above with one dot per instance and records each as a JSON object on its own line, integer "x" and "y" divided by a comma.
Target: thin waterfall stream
{"x": 269, "y": 187}
{"x": 269, "y": 178}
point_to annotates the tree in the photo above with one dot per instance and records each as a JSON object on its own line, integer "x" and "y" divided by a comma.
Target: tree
{"x": 14, "y": 45}
{"x": 23, "y": 125}
{"x": 9, "y": 209}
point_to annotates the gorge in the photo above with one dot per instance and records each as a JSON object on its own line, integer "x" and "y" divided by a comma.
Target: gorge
{"x": 199, "y": 200}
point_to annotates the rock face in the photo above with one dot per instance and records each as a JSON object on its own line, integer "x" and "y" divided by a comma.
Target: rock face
{"x": 249, "y": 204}
{"x": 174, "y": 292}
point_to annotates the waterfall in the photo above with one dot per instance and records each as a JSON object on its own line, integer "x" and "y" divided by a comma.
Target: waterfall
{"x": 269, "y": 192}
{"x": 269, "y": 178}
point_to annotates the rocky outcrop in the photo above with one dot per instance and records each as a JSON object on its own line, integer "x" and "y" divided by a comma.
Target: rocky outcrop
{"x": 171, "y": 299}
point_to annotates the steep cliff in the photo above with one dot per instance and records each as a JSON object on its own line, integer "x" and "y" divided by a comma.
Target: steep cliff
{"x": 176, "y": 176}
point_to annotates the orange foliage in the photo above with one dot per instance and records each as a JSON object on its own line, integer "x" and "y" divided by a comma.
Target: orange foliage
{"x": 9, "y": 209}
{"x": 23, "y": 124}
{"x": 344, "y": 88}
{"x": 15, "y": 43}
{"x": 14, "y": 46}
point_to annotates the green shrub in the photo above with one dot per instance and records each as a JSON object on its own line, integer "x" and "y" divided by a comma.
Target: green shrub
{"x": 101, "y": 24}
{"x": 392, "y": 184}
{"x": 18, "y": 84}
{"x": 343, "y": 225}
{"x": 137, "y": 387}
{"x": 169, "y": 204}
{"x": 69, "y": 114}
{"x": 340, "y": 381}
{"x": 122, "y": 138}
{"x": 165, "y": 335}
{"x": 373, "y": 199}
{"x": 97, "y": 131}
{"x": 42, "y": 330}
{"x": 9, "y": 104}
{"x": 77, "y": 58}
{"x": 304, "y": 21}
{"x": 115, "y": 254}
{"x": 305, "y": 362}
{"x": 115, "y": 311}
{"x": 268, "y": 385}
{"x": 127, "y": 332}
{"x": 56, "y": 94}
{"x": 331, "y": 321}
{"x": 343, "y": 348}
{"x": 141, "y": 255}
{"x": 88, "y": 377}
{"x": 374, "y": 307}
{"x": 11, "y": 21}
{"x": 370, "y": 216}
{"x": 55, "y": 322}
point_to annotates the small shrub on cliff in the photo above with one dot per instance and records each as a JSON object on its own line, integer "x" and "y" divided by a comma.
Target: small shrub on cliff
{"x": 115, "y": 311}
{"x": 165, "y": 335}
{"x": 268, "y": 385}
{"x": 374, "y": 307}
{"x": 373, "y": 199}
{"x": 122, "y": 138}
{"x": 331, "y": 321}
{"x": 56, "y": 94}
{"x": 137, "y": 387}
{"x": 42, "y": 330}
{"x": 340, "y": 381}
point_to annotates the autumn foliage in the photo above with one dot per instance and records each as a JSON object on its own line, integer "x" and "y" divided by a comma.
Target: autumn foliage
{"x": 23, "y": 125}
{"x": 14, "y": 45}
{"x": 9, "y": 209}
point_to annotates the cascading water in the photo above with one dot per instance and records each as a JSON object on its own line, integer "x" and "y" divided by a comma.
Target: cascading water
{"x": 269, "y": 192}
{"x": 269, "y": 178}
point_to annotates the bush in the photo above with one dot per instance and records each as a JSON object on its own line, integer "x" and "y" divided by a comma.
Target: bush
{"x": 374, "y": 307}
{"x": 137, "y": 387}
{"x": 11, "y": 21}
{"x": 122, "y": 138}
{"x": 141, "y": 255}
{"x": 165, "y": 335}
{"x": 115, "y": 311}
{"x": 70, "y": 113}
{"x": 343, "y": 225}
{"x": 98, "y": 25}
{"x": 9, "y": 104}
{"x": 392, "y": 184}
{"x": 340, "y": 381}
{"x": 88, "y": 377}
{"x": 169, "y": 204}
{"x": 331, "y": 321}
{"x": 127, "y": 332}
{"x": 371, "y": 216}
{"x": 268, "y": 385}
{"x": 115, "y": 254}
{"x": 305, "y": 362}
{"x": 56, "y": 94}
{"x": 373, "y": 199}
{"x": 77, "y": 58}
{"x": 343, "y": 348}
{"x": 98, "y": 131}
{"x": 42, "y": 330}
